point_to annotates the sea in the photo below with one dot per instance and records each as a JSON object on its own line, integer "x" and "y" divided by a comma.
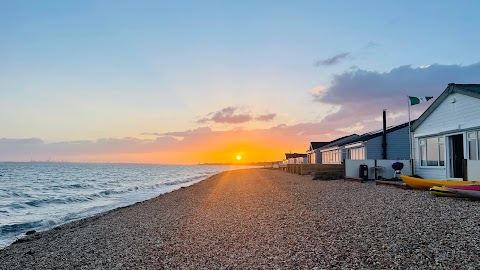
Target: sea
{"x": 39, "y": 196}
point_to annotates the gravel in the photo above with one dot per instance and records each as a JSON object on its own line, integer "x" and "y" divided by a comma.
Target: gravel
{"x": 265, "y": 219}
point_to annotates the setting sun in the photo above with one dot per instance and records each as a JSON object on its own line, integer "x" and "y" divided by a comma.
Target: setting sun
{"x": 239, "y": 157}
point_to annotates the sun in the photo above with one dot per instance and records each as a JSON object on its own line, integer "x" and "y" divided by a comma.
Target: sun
{"x": 239, "y": 157}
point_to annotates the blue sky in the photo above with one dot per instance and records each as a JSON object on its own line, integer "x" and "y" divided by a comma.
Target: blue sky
{"x": 90, "y": 70}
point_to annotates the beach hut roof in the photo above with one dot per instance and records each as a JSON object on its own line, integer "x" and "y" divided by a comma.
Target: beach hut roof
{"x": 472, "y": 90}
{"x": 294, "y": 155}
{"x": 340, "y": 141}
{"x": 364, "y": 137}
{"x": 316, "y": 145}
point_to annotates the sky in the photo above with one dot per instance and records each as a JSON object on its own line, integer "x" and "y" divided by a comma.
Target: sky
{"x": 186, "y": 82}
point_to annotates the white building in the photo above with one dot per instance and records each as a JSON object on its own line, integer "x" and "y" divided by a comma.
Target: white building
{"x": 446, "y": 136}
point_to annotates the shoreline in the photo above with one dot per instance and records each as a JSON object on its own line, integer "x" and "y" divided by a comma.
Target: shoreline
{"x": 264, "y": 219}
{"x": 50, "y": 223}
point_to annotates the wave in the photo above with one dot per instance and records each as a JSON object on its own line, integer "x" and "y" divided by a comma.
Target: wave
{"x": 47, "y": 196}
{"x": 26, "y": 226}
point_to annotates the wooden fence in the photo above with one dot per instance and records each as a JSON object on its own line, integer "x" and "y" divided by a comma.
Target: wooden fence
{"x": 311, "y": 169}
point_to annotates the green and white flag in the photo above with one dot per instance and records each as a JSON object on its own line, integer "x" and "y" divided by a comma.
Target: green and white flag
{"x": 418, "y": 100}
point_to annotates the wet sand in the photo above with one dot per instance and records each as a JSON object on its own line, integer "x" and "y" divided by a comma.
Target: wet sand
{"x": 257, "y": 218}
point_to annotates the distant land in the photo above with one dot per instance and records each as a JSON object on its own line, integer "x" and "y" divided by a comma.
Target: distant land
{"x": 263, "y": 163}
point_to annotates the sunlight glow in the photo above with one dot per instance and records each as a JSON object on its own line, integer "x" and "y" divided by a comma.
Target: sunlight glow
{"x": 239, "y": 157}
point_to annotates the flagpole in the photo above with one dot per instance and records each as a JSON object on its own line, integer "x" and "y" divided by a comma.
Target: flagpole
{"x": 410, "y": 135}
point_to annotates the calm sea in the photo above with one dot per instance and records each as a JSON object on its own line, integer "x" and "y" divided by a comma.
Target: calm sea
{"x": 39, "y": 196}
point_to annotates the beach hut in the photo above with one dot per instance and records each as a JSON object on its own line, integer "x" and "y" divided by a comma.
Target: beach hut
{"x": 446, "y": 136}
{"x": 334, "y": 152}
{"x": 295, "y": 158}
{"x": 369, "y": 146}
{"x": 314, "y": 156}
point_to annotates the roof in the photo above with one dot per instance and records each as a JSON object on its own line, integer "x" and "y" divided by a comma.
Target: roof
{"x": 340, "y": 141}
{"x": 294, "y": 155}
{"x": 377, "y": 133}
{"x": 471, "y": 90}
{"x": 316, "y": 145}
{"x": 364, "y": 137}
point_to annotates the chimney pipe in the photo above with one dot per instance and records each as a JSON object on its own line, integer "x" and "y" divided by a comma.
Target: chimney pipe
{"x": 384, "y": 137}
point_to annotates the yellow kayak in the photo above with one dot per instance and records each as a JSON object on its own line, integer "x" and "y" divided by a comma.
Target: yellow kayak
{"x": 426, "y": 184}
{"x": 443, "y": 192}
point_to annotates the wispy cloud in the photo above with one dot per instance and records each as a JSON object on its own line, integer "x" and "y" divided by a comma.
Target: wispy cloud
{"x": 234, "y": 115}
{"x": 332, "y": 60}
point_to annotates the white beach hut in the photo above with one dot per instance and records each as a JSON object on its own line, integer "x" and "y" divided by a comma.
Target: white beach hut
{"x": 446, "y": 136}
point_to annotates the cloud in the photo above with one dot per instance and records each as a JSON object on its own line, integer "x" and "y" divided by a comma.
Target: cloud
{"x": 332, "y": 60}
{"x": 358, "y": 96}
{"x": 197, "y": 145}
{"x": 196, "y": 132}
{"x": 317, "y": 89}
{"x": 266, "y": 117}
{"x": 362, "y": 95}
{"x": 231, "y": 115}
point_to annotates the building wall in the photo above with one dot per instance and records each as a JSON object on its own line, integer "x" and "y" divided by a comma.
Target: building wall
{"x": 318, "y": 156}
{"x": 374, "y": 148}
{"x": 473, "y": 170}
{"x": 397, "y": 145}
{"x": 462, "y": 114}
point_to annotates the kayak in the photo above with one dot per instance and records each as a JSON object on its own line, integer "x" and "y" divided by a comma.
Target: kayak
{"x": 420, "y": 183}
{"x": 443, "y": 192}
{"x": 472, "y": 191}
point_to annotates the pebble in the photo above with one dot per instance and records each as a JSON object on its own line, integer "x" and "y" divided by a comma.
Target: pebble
{"x": 267, "y": 219}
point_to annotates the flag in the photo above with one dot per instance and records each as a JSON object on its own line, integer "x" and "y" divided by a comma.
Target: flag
{"x": 418, "y": 100}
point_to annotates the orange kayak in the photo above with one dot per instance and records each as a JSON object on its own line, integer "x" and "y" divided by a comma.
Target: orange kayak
{"x": 419, "y": 183}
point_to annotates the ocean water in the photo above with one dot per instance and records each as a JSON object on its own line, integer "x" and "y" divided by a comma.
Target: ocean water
{"x": 39, "y": 196}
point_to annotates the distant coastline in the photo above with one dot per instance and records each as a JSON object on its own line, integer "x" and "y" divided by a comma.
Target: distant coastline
{"x": 263, "y": 163}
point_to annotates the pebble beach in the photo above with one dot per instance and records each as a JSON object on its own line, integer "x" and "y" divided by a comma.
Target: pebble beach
{"x": 265, "y": 219}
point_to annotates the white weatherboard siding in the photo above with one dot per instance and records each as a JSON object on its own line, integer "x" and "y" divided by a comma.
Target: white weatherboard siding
{"x": 455, "y": 115}
{"x": 473, "y": 170}
{"x": 449, "y": 117}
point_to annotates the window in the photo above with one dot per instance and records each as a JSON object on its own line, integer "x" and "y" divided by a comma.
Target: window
{"x": 472, "y": 143}
{"x": 432, "y": 151}
{"x": 357, "y": 153}
{"x": 332, "y": 156}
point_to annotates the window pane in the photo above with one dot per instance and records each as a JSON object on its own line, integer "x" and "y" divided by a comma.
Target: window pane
{"x": 423, "y": 156}
{"x": 441, "y": 149}
{"x": 472, "y": 150}
{"x": 471, "y": 135}
{"x": 440, "y": 139}
{"x": 432, "y": 152}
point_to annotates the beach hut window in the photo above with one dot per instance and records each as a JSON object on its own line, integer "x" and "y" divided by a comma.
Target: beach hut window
{"x": 432, "y": 151}
{"x": 357, "y": 153}
{"x": 472, "y": 145}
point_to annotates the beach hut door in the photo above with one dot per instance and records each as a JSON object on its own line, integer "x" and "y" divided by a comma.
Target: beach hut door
{"x": 456, "y": 155}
